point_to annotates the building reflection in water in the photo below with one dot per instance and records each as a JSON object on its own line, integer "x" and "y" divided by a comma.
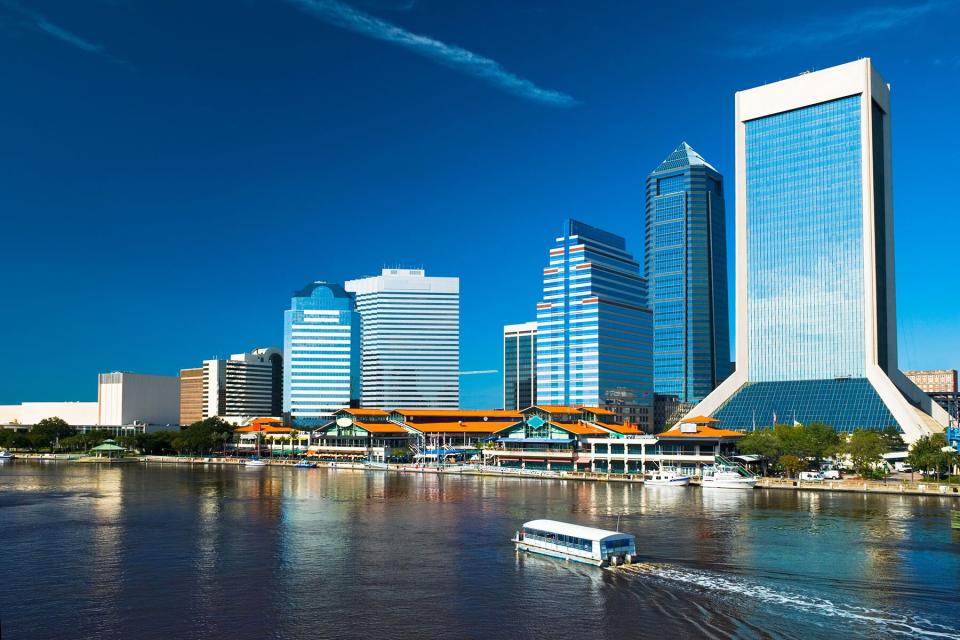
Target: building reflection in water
{"x": 106, "y": 571}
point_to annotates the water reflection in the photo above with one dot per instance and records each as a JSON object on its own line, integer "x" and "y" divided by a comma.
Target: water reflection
{"x": 222, "y": 552}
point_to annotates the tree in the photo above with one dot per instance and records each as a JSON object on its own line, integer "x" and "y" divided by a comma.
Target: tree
{"x": 49, "y": 431}
{"x": 866, "y": 449}
{"x": 791, "y": 464}
{"x": 203, "y": 436}
{"x": 10, "y": 439}
{"x": 823, "y": 441}
{"x": 891, "y": 435}
{"x": 927, "y": 454}
{"x": 762, "y": 443}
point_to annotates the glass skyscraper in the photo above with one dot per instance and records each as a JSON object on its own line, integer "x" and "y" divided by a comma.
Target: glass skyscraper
{"x": 594, "y": 333}
{"x": 816, "y": 327}
{"x": 686, "y": 265}
{"x": 519, "y": 365}
{"x": 321, "y": 341}
{"x": 410, "y": 340}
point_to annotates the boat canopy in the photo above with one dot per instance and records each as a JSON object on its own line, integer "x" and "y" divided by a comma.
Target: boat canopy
{"x": 574, "y": 530}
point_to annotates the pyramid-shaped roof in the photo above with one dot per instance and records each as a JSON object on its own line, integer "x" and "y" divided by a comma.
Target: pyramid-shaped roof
{"x": 683, "y": 156}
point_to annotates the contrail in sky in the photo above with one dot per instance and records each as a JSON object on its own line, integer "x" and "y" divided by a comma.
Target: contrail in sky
{"x": 346, "y": 17}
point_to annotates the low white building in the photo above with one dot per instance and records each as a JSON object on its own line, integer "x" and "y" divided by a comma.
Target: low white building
{"x": 76, "y": 414}
{"x": 126, "y": 398}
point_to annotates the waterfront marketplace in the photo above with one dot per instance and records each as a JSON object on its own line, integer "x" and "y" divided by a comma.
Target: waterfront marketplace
{"x": 209, "y": 551}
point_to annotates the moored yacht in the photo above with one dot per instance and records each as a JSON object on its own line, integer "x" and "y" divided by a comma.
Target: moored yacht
{"x": 667, "y": 477}
{"x": 574, "y": 542}
{"x": 6, "y": 455}
{"x": 727, "y": 475}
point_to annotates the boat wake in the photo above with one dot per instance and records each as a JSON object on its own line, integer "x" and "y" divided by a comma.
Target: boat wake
{"x": 876, "y": 620}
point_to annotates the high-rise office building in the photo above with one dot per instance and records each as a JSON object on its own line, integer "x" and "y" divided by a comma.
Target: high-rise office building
{"x": 686, "y": 268}
{"x": 816, "y": 324}
{"x": 191, "y": 395}
{"x": 245, "y": 385}
{"x": 594, "y": 334}
{"x": 410, "y": 339}
{"x": 519, "y": 365}
{"x": 321, "y": 342}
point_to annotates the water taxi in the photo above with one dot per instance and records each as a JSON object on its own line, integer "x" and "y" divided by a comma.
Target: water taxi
{"x": 667, "y": 477}
{"x": 574, "y": 542}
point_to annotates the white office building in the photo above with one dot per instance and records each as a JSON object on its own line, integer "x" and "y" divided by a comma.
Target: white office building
{"x": 410, "y": 339}
{"x": 248, "y": 384}
{"x": 816, "y": 306}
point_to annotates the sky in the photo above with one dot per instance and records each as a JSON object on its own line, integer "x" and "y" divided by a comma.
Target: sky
{"x": 172, "y": 171}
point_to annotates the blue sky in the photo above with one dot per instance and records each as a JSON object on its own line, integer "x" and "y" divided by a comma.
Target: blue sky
{"x": 173, "y": 171}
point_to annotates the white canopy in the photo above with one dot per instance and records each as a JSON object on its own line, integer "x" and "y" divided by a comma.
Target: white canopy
{"x": 575, "y": 530}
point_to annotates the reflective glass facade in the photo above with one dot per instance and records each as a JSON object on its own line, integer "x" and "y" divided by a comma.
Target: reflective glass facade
{"x": 321, "y": 340}
{"x": 844, "y": 404}
{"x": 594, "y": 343}
{"x": 519, "y": 366}
{"x": 805, "y": 263}
{"x": 686, "y": 264}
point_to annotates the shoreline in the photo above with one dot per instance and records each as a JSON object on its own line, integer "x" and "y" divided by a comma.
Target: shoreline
{"x": 935, "y": 489}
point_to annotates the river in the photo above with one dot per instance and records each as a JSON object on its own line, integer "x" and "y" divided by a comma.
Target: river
{"x": 172, "y": 551}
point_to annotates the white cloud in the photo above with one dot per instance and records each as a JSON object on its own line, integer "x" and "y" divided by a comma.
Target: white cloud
{"x": 758, "y": 41}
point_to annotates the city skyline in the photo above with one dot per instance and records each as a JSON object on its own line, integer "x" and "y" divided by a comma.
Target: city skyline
{"x": 130, "y": 261}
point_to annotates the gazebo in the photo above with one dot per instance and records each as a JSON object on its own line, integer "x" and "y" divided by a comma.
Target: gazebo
{"x": 107, "y": 451}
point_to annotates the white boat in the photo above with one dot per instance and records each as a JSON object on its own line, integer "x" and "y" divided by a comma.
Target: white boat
{"x": 574, "y": 542}
{"x": 667, "y": 477}
{"x": 6, "y": 455}
{"x": 724, "y": 475}
{"x": 255, "y": 462}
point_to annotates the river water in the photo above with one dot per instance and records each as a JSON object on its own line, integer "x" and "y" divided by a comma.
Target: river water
{"x": 149, "y": 551}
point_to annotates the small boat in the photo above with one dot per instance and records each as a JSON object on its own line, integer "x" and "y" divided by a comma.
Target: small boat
{"x": 723, "y": 476}
{"x": 255, "y": 463}
{"x": 6, "y": 455}
{"x": 667, "y": 477}
{"x": 306, "y": 464}
{"x": 575, "y": 542}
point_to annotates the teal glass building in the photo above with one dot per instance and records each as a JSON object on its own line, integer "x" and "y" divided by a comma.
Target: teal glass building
{"x": 594, "y": 329}
{"x": 519, "y": 366}
{"x": 686, "y": 266}
{"x": 816, "y": 323}
{"x": 321, "y": 342}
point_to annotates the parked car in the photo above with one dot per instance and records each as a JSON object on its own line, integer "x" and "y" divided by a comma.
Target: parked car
{"x": 902, "y": 467}
{"x": 832, "y": 474}
{"x": 811, "y": 476}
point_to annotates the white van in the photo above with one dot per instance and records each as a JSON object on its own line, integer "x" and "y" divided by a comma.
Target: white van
{"x": 811, "y": 476}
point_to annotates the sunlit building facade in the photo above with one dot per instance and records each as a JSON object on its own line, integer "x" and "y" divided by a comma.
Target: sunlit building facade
{"x": 686, "y": 266}
{"x": 410, "y": 344}
{"x": 594, "y": 333}
{"x": 321, "y": 341}
{"x": 816, "y": 326}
